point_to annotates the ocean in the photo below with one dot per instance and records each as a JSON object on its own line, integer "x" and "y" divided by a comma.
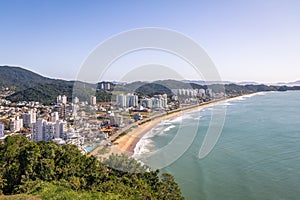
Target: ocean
{"x": 257, "y": 155}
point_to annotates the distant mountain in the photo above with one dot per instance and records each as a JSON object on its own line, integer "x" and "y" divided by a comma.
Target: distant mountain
{"x": 174, "y": 84}
{"x": 20, "y": 79}
{"x": 160, "y": 86}
{"x": 45, "y": 93}
{"x": 294, "y": 83}
{"x": 247, "y": 83}
{"x": 30, "y": 86}
{"x": 201, "y": 82}
{"x": 150, "y": 89}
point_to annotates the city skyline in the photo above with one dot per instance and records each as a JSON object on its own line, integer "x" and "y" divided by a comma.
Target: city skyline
{"x": 247, "y": 41}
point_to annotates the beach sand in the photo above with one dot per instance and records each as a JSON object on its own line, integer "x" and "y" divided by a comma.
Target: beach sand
{"x": 127, "y": 143}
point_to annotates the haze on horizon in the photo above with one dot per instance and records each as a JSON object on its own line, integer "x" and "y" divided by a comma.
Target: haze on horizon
{"x": 247, "y": 40}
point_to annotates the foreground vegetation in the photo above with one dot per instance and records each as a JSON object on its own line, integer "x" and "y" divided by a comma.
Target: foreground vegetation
{"x": 50, "y": 171}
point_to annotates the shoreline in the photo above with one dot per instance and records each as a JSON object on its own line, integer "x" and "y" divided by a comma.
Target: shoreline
{"x": 127, "y": 143}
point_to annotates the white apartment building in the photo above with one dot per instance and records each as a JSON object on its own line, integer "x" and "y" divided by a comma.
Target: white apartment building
{"x": 15, "y": 124}
{"x": 126, "y": 101}
{"x": 2, "y": 127}
{"x": 146, "y": 103}
{"x": 64, "y": 99}
{"x": 46, "y": 131}
{"x": 76, "y": 100}
{"x": 121, "y": 100}
{"x": 54, "y": 116}
{"x": 93, "y": 100}
{"x": 131, "y": 100}
{"x": 29, "y": 118}
{"x": 61, "y": 99}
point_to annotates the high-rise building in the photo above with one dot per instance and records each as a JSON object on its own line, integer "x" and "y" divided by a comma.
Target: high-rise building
{"x": 2, "y": 127}
{"x": 93, "y": 100}
{"x": 159, "y": 102}
{"x": 37, "y": 130}
{"x": 121, "y": 100}
{"x": 46, "y": 131}
{"x": 76, "y": 100}
{"x": 104, "y": 85}
{"x": 131, "y": 100}
{"x": 209, "y": 92}
{"x": 63, "y": 111}
{"x": 64, "y": 99}
{"x": 60, "y": 129}
{"x": 15, "y": 124}
{"x": 146, "y": 103}
{"x": 61, "y": 99}
{"x": 54, "y": 116}
{"x": 201, "y": 92}
{"x": 29, "y": 118}
{"x": 58, "y": 99}
{"x": 126, "y": 101}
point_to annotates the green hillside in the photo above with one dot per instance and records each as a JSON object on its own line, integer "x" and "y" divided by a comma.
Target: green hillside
{"x": 50, "y": 171}
{"x": 30, "y": 86}
{"x": 20, "y": 78}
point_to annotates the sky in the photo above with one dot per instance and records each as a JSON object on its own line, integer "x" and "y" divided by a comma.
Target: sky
{"x": 248, "y": 40}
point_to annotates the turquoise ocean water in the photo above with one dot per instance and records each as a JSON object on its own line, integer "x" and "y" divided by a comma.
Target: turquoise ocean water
{"x": 257, "y": 155}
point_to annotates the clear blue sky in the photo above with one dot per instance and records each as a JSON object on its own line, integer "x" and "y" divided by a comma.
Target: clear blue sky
{"x": 251, "y": 40}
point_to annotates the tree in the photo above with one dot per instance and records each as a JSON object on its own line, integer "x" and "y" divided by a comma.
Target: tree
{"x": 169, "y": 189}
{"x": 29, "y": 167}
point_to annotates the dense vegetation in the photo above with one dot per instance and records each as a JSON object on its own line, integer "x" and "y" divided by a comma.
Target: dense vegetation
{"x": 51, "y": 171}
{"x": 19, "y": 79}
{"x": 47, "y": 93}
{"x": 30, "y": 86}
{"x": 150, "y": 89}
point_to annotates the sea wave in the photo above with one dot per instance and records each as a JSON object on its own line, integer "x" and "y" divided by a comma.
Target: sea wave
{"x": 169, "y": 128}
{"x": 145, "y": 144}
{"x": 142, "y": 147}
{"x": 225, "y": 103}
{"x": 244, "y": 97}
{"x": 177, "y": 119}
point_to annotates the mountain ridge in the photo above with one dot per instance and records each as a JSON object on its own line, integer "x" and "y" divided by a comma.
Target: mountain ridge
{"x": 30, "y": 86}
{"x": 20, "y": 79}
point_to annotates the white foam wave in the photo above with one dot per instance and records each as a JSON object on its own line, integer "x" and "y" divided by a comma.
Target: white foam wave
{"x": 244, "y": 97}
{"x": 165, "y": 122}
{"x": 177, "y": 119}
{"x": 197, "y": 118}
{"x": 169, "y": 128}
{"x": 226, "y": 103}
{"x": 152, "y": 132}
{"x": 142, "y": 147}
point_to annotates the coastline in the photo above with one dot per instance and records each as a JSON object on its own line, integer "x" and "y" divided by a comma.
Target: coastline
{"x": 126, "y": 144}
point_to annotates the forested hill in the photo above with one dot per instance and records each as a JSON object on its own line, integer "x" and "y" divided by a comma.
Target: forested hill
{"x": 50, "y": 171}
{"x": 20, "y": 79}
{"x": 29, "y": 86}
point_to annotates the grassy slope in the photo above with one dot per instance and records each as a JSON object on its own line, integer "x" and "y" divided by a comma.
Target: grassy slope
{"x": 52, "y": 192}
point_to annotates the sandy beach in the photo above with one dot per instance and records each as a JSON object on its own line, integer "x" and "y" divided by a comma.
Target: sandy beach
{"x": 127, "y": 143}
